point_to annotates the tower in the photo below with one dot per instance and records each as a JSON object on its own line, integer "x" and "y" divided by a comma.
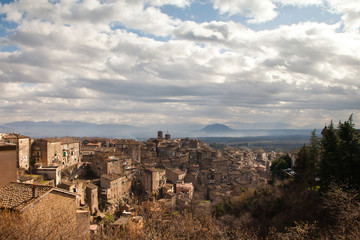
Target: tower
{"x": 160, "y": 135}
{"x": 167, "y": 136}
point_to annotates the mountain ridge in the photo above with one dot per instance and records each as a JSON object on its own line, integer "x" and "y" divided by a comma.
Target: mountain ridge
{"x": 216, "y": 127}
{"x": 86, "y": 129}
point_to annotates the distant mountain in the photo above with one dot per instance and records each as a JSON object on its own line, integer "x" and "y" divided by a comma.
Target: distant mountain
{"x": 216, "y": 128}
{"x": 261, "y": 125}
{"x": 86, "y": 129}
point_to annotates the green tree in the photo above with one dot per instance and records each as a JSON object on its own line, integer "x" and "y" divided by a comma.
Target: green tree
{"x": 307, "y": 161}
{"x": 349, "y": 149}
{"x": 278, "y": 165}
{"x": 329, "y": 163}
{"x": 340, "y": 155}
{"x": 304, "y": 168}
{"x": 314, "y": 150}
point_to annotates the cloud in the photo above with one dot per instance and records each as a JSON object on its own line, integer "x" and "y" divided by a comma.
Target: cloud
{"x": 350, "y": 11}
{"x": 103, "y": 62}
{"x": 299, "y": 3}
{"x": 131, "y": 14}
{"x": 178, "y": 3}
{"x": 257, "y": 10}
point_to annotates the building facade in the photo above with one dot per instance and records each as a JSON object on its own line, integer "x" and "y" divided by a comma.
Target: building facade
{"x": 23, "y": 144}
{"x": 8, "y": 163}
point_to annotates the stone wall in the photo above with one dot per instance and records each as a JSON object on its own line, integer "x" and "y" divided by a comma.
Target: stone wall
{"x": 51, "y": 217}
{"x": 8, "y": 164}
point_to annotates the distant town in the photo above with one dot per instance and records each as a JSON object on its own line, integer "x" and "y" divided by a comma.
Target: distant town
{"x": 101, "y": 177}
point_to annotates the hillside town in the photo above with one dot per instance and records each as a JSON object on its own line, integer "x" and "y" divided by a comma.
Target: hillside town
{"x": 87, "y": 181}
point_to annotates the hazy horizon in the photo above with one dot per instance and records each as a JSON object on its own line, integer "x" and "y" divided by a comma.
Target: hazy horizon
{"x": 83, "y": 129}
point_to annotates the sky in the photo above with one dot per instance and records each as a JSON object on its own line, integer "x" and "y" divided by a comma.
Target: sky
{"x": 266, "y": 63}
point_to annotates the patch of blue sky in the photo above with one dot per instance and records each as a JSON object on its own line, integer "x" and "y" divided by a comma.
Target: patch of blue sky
{"x": 9, "y": 48}
{"x": 6, "y": 1}
{"x": 289, "y": 15}
{"x": 199, "y": 11}
{"x": 5, "y": 26}
{"x": 115, "y": 26}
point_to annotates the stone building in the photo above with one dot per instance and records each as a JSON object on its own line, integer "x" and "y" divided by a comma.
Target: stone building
{"x": 220, "y": 164}
{"x": 175, "y": 175}
{"x": 160, "y": 135}
{"x": 23, "y": 144}
{"x": 152, "y": 179}
{"x": 149, "y": 152}
{"x": 115, "y": 186}
{"x": 8, "y": 160}
{"x": 46, "y": 153}
{"x": 55, "y": 152}
{"x": 186, "y": 189}
{"x": 128, "y": 146}
{"x": 88, "y": 151}
{"x": 50, "y": 173}
{"x": 75, "y": 187}
{"x": 91, "y": 197}
{"x": 43, "y": 212}
{"x": 71, "y": 152}
{"x": 104, "y": 164}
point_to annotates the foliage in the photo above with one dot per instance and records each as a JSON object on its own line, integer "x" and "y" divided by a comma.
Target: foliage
{"x": 304, "y": 166}
{"x": 340, "y": 155}
{"x": 278, "y": 165}
{"x": 109, "y": 218}
{"x": 342, "y": 209}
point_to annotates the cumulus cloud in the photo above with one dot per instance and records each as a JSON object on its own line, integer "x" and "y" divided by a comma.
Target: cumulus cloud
{"x": 131, "y": 14}
{"x": 102, "y": 62}
{"x": 257, "y": 10}
{"x": 350, "y": 11}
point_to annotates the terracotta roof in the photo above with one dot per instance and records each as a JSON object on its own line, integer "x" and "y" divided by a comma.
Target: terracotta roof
{"x": 17, "y": 195}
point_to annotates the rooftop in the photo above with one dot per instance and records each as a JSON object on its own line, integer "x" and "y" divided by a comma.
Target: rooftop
{"x": 176, "y": 171}
{"x": 91, "y": 186}
{"x": 112, "y": 176}
{"x": 14, "y": 135}
{"x": 7, "y": 146}
{"x": 18, "y": 196}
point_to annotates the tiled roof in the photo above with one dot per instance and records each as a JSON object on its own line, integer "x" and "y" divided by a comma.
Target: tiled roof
{"x": 91, "y": 186}
{"x": 112, "y": 177}
{"x": 17, "y": 195}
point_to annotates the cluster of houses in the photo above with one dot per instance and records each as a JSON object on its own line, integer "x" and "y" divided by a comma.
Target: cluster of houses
{"x": 96, "y": 175}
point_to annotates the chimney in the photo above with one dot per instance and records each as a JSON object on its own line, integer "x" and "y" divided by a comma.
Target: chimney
{"x": 34, "y": 191}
